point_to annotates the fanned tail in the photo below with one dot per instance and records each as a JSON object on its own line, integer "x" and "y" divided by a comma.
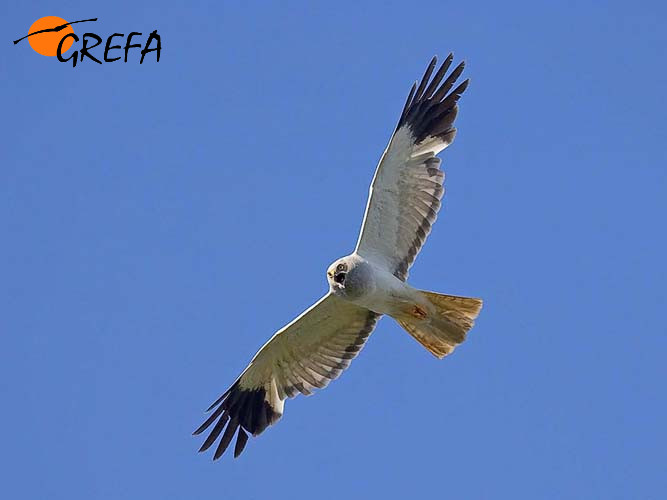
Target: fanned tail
{"x": 445, "y": 326}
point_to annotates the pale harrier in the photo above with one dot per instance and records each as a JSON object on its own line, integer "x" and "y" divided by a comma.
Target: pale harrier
{"x": 317, "y": 346}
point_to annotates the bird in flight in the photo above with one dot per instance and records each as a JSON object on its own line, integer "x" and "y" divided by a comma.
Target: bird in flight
{"x": 317, "y": 346}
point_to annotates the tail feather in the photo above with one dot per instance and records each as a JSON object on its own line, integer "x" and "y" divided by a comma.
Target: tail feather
{"x": 445, "y": 326}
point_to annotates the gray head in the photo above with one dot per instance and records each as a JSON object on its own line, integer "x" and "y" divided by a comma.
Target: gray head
{"x": 349, "y": 277}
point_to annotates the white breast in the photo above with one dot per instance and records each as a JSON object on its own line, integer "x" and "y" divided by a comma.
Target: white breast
{"x": 388, "y": 294}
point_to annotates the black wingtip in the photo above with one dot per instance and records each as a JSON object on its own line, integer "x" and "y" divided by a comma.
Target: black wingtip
{"x": 430, "y": 111}
{"x": 427, "y": 75}
{"x": 201, "y": 428}
{"x": 224, "y": 395}
{"x": 245, "y": 410}
{"x": 212, "y": 417}
{"x": 241, "y": 440}
{"x": 226, "y": 438}
{"x": 408, "y": 101}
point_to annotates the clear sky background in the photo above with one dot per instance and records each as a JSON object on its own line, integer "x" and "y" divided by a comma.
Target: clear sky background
{"x": 160, "y": 222}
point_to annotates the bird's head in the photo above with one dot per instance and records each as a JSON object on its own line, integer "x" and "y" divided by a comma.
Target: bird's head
{"x": 350, "y": 277}
{"x": 337, "y": 274}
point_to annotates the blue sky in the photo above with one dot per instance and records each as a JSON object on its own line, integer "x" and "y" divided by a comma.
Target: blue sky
{"x": 161, "y": 221}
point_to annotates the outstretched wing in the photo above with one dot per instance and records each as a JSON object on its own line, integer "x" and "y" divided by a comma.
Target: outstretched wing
{"x": 305, "y": 355}
{"x": 407, "y": 187}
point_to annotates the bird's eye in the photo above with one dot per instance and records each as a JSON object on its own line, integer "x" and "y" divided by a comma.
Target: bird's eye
{"x": 340, "y": 267}
{"x": 339, "y": 278}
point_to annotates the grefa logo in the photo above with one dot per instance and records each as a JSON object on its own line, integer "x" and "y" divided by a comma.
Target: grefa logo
{"x": 54, "y": 36}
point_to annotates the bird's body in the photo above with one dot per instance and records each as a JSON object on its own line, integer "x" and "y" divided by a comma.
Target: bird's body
{"x": 372, "y": 287}
{"x": 317, "y": 346}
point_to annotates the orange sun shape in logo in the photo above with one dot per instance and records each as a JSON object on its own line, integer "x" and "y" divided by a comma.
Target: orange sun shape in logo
{"x": 47, "y": 43}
